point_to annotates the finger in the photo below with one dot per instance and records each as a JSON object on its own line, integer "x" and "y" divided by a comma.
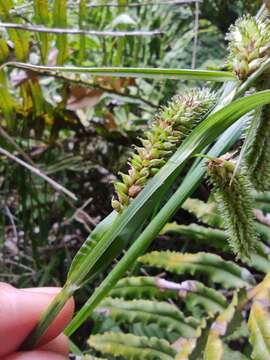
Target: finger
{"x": 20, "y": 311}
{"x": 35, "y": 355}
{"x": 61, "y": 321}
{"x": 58, "y": 345}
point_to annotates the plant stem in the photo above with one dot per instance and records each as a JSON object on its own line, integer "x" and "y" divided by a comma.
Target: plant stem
{"x": 39, "y": 173}
{"x": 191, "y": 182}
{"x": 43, "y": 29}
{"x": 48, "y": 316}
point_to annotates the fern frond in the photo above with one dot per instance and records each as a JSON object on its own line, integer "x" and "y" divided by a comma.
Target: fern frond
{"x": 259, "y": 256}
{"x": 185, "y": 347}
{"x": 218, "y": 270}
{"x": 166, "y": 316}
{"x": 194, "y": 293}
{"x": 259, "y": 323}
{"x": 205, "y": 212}
{"x": 198, "y": 232}
{"x": 132, "y": 347}
{"x": 215, "y": 347}
{"x": 232, "y": 193}
{"x": 170, "y": 128}
{"x": 188, "y": 349}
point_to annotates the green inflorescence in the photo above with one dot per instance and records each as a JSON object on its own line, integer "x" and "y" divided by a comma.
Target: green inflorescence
{"x": 258, "y": 155}
{"x": 249, "y": 45}
{"x": 171, "y": 126}
{"x": 232, "y": 192}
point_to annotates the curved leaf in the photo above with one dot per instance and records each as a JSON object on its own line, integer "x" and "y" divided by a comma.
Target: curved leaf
{"x": 259, "y": 327}
{"x": 132, "y": 347}
{"x": 214, "y": 347}
{"x": 218, "y": 270}
{"x": 194, "y": 293}
{"x": 166, "y": 316}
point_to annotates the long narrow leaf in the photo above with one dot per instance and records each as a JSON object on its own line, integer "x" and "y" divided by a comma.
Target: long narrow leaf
{"x": 19, "y": 38}
{"x": 60, "y": 20}
{"x": 151, "y": 73}
{"x": 41, "y": 12}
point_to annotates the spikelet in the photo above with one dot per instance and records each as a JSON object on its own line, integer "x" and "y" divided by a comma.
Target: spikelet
{"x": 258, "y": 155}
{"x": 249, "y": 45}
{"x": 232, "y": 193}
{"x": 168, "y": 130}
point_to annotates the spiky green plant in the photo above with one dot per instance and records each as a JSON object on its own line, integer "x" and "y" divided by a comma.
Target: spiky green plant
{"x": 169, "y": 129}
{"x": 257, "y": 158}
{"x": 249, "y": 45}
{"x": 232, "y": 192}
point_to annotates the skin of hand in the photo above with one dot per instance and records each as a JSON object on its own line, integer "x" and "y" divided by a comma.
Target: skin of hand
{"x": 20, "y": 310}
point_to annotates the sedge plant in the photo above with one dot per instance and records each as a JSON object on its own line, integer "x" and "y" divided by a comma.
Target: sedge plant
{"x": 189, "y": 124}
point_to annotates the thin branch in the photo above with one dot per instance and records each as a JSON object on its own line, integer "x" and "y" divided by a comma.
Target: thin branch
{"x": 104, "y": 89}
{"x": 146, "y": 3}
{"x": 124, "y": 96}
{"x": 81, "y": 216}
{"x": 9, "y": 139}
{"x": 196, "y": 31}
{"x": 14, "y": 229}
{"x": 131, "y": 5}
{"x": 39, "y": 173}
{"x": 43, "y": 29}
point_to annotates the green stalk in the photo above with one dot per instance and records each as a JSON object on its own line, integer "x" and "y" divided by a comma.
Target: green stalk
{"x": 48, "y": 316}
{"x": 189, "y": 185}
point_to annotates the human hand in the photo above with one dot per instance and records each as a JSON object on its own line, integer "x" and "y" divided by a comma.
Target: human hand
{"x": 20, "y": 311}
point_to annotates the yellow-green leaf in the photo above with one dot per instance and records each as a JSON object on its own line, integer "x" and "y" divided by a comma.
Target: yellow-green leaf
{"x": 41, "y": 12}
{"x": 60, "y": 21}
{"x": 259, "y": 327}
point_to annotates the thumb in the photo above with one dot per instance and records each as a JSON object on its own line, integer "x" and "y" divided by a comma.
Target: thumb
{"x": 20, "y": 310}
